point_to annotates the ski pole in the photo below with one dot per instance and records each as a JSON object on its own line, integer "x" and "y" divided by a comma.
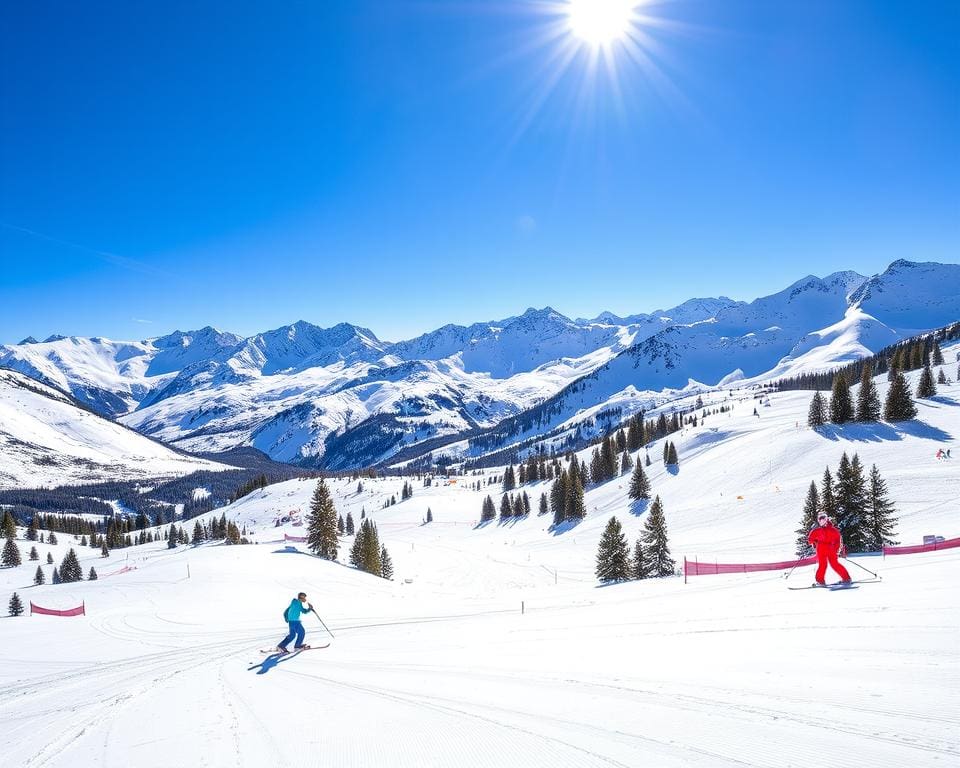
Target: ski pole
{"x": 854, "y": 562}
{"x": 788, "y": 573}
{"x": 322, "y": 622}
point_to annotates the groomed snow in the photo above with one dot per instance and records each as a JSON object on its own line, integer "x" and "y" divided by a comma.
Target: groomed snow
{"x": 441, "y": 668}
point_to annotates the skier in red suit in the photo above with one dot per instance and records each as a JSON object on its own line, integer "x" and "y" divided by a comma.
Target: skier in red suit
{"x": 825, "y": 538}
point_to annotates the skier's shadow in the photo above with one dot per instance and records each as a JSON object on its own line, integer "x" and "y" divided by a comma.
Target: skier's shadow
{"x": 271, "y": 661}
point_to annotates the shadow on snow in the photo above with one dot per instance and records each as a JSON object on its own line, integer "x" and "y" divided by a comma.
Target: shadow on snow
{"x": 272, "y": 661}
{"x": 876, "y": 432}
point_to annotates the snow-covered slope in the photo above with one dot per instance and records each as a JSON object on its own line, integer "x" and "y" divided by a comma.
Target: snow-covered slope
{"x": 496, "y": 641}
{"x": 46, "y": 438}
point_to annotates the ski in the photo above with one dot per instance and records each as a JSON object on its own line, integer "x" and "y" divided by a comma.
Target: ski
{"x": 836, "y": 586}
{"x": 275, "y": 652}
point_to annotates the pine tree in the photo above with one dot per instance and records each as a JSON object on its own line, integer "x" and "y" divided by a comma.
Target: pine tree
{"x": 9, "y": 525}
{"x": 322, "y": 523}
{"x": 386, "y": 564}
{"x": 936, "y": 354}
{"x": 489, "y": 511}
{"x": 356, "y": 551}
{"x": 574, "y": 507}
{"x": 811, "y": 509}
{"x": 49, "y": 559}
{"x": 70, "y": 570}
{"x": 11, "y": 554}
{"x": 626, "y": 463}
{"x": 639, "y": 567}
{"x": 558, "y": 497}
{"x": 672, "y": 458}
{"x": 880, "y": 514}
{"x": 52, "y": 539}
{"x": 868, "y": 401}
{"x": 899, "y": 405}
{"x": 621, "y": 441}
{"x": 841, "y": 407}
{"x": 634, "y": 434}
{"x": 941, "y": 377}
{"x": 509, "y": 480}
{"x": 608, "y": 461}
{"x": 851, "y": 503}
{"x": 429, "y": 515}
{"x": 926, "y": 387}
{"x": 506, "y": 509}
{"x": 92, "y": 575}
{"x": 544, "y": 506}
{"x": 55, "y": 576}
{"x": 340, "y": 526}
{"x": 32, "y": 529}
{"x": 104, "y": 552}
{"x": 828, "y": 502}
{"x": 15, "y": 606}
{"x": 656, "y": 546}
{"x": 613, "y": 554}
{"x": 351, "y": 528}
{"x": 38, "y": 577}
{"x": 370, "y": 550}
{"x": 639, "y": 484}
{"x": 198, "y": 535}
{"x": 34, "y": 555}
{"x": 173, "y": 537}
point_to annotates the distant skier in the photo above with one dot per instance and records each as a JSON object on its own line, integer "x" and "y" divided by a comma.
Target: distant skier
{"x": 825, "y": 538}
{"x": 939, "y": 454}
{"x": 292, "y": 615}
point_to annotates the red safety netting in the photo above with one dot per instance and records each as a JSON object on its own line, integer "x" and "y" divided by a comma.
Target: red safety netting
{"x": 697, "y": 568}
{"x": 288, "y": 537}
{"x": 947, "y": 544}
{"x": 80, "y": 611}
{"x": 125, "y": 569}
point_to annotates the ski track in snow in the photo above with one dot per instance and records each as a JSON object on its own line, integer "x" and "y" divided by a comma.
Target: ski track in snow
{"x": 444, "y": 670}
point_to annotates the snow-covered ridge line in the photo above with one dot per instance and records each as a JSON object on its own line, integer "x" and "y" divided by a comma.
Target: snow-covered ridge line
{"x": 340, "y": 396}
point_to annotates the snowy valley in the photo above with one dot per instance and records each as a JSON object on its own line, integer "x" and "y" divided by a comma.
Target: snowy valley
{"x": 494, "y": 644}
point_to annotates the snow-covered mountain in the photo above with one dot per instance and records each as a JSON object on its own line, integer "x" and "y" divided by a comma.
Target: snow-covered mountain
{"x": 341, "y": 397}
{"x": 47, "y": 438}
{"x": 112, "y": 377}
{"x": 911, "y": 297}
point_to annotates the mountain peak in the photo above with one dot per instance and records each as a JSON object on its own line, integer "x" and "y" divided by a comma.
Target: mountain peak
{"x": 28, "y": 340}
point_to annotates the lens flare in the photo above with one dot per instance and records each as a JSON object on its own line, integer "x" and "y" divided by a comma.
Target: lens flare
{"x": 600, "y": 22}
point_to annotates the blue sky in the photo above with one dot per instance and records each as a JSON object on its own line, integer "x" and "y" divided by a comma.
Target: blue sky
{"x": 403, "y": 164}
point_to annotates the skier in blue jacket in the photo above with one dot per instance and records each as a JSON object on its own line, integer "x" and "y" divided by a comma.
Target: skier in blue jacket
{"x": 292, "y": 615}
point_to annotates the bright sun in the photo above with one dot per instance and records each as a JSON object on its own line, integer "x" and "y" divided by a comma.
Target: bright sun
{"x": 600, "y": 22}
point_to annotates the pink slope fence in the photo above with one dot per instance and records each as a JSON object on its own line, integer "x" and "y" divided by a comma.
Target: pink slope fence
{"x": 288, "y": 537}
{"x": 125, "y": 569}
{"x": 81, "y": 610}
{"x": 697, "y": 568}
{"x": 947, "y": 544}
